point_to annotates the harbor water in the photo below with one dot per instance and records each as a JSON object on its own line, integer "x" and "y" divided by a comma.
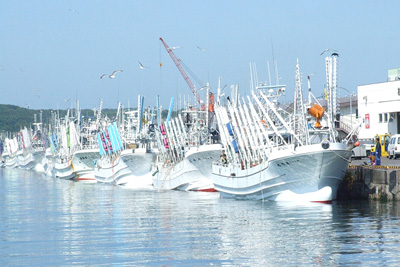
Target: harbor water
{"x": 46, "y": 221}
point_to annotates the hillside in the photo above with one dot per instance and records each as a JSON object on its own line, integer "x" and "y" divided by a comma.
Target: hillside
{"x": 13, "y": 118}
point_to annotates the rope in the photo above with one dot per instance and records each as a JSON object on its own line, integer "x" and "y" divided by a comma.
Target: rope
{"x": 339, "y": 155}
{"x": 112, "y": 169}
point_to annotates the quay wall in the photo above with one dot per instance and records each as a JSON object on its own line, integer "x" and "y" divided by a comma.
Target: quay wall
{"x": 370, "y": 182}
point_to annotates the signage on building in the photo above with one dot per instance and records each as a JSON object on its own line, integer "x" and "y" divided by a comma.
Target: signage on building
{"x": 366, "y": 121}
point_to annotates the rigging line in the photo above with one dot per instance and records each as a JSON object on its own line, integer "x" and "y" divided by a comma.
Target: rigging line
{"x": 200, "y": 82}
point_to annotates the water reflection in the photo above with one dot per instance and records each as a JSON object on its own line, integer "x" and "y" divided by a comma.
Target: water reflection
{"x": 51, "y": 220}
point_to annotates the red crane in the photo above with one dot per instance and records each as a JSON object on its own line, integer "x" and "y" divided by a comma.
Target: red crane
{"x": 182, "y": 71}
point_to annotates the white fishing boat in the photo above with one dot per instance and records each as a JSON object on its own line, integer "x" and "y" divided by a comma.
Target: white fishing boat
{"x": 182, "y": 176}
{"x": 24, "y": 155}
{"x": 85, "y": 157}
{"x": 110, "y": 168}
{"x": 185, "y": 157}
{"x": 83, "y": 164}
{"x": 307, "y": 173}
{"x": 180, "y": 166}
{"x": 10, "y": 153}
{"x": 140, "y": 162}
{"x": 139, "y": 153}
{"x": 63, "y": 159}
{"x": 303, "y": 165}
{"x": 39, "y": 144}
{"x": 48, "y": 163}
{"x": 62, "y": 169}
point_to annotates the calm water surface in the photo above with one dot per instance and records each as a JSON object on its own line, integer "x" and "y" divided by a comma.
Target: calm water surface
{"x": 46, "y": 221}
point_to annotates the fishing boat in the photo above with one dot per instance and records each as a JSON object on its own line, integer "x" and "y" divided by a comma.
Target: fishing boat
{"x": 63, "y": 159}
{"x": 24, "y": 155}
{"x": 263, "y": 163}
{"x": 139, "y": 153}
{"x": 85, "y": 157}
{"x": 10, "y": 153}
{"x": 83, "y": 164}
{"x": 110, "y": 168}
{"x": 183, "y": 164}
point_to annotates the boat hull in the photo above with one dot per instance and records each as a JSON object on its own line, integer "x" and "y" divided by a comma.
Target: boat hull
{"x": 83, "y": 164}
{"x": 112, "y": 171}
{"x": 10, "y": 162}
{"x": 310, "y": 173}
{"x": 26, "y": 161}
{"x": 181, "y": 176}
{"x": 203, "y": 157}
{"x": 63, "y": 170}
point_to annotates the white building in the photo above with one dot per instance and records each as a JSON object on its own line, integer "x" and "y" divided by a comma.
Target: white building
{"x": 379, "y": 106}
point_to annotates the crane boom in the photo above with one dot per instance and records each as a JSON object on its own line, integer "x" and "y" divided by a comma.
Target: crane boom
{"x": 182, "y": 71}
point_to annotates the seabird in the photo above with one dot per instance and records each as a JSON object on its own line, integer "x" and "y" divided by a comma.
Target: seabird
{"x": 202, "y": 49}
{"x": 142, "y": 67}
{"x": 335, "y": 54}
{"x": 102, "y": 76}
{"x": 66, "y": 100}
{"x": 112, "y": 76}
{"x": 327, "y": 50}
{"x": 174, "y": 47}
{"x": 74, "y": 11}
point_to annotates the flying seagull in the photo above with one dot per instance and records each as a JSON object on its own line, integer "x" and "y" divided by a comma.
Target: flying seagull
{"x": 174, "y": 47}
{"x": 102, "y": 76}
{"x": 112, "y": 76}
{"x": 142, "y": 67}
{"x": 74, "y": 11}
{"x": 66, "y": 100}
{"x": 327, "y": 50}
{"x": 202, "y": 49}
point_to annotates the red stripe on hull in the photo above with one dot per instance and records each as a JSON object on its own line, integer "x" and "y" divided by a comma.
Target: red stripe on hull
{"x": 207, "y": 190}
{"x": 86, "y": 179}
{"x": 323, "y": 202}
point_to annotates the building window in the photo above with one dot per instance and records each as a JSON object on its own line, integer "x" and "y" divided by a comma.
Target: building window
{"x": 356, "y": 113}
{"x": 380, "y": 117}
{"x": 385, "y": 115}
{"x": 398, "y": 91}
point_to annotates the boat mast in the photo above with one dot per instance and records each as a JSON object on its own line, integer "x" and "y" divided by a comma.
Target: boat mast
{"x": 300, "y": 122}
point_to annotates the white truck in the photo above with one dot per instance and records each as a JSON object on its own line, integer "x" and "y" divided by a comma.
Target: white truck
{"x": 359, "y": 152}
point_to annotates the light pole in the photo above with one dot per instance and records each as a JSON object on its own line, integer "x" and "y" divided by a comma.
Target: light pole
{"x": 351, "y": 108}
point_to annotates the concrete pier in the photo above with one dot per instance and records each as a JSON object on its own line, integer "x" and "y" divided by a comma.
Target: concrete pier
{"x": 370, "y": 182}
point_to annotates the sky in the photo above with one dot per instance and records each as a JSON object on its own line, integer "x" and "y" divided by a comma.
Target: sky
{"x": 54, "y": 52}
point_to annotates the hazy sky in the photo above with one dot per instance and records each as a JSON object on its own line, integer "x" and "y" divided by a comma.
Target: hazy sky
{"x": 52, "y": 51}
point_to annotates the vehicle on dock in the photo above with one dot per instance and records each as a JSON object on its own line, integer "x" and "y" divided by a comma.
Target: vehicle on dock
{"x": 368, "y": 143}
{"x": 384, "y": 140}
{"x": 394, "y": 146}
{"x": 359, "y": 152}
